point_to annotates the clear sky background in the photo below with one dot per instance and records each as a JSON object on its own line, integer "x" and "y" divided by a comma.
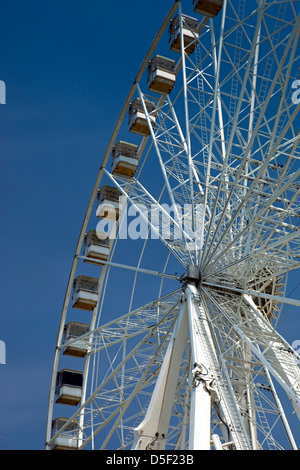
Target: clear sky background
{"x": 68, "y": 66}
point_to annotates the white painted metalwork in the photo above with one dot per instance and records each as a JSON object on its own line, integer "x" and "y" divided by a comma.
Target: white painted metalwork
{"x": 209, "y": 227}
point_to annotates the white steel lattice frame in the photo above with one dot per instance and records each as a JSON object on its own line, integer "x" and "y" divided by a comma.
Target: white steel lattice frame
{"x": 198, "y": 368}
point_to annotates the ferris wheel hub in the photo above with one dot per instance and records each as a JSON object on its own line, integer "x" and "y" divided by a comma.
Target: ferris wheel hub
{"x": 193, "y": 275}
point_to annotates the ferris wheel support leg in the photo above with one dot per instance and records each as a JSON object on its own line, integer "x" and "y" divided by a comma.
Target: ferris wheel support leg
{"x": 151, "y": 434}
{"x": 201, "y": 377}
{"x": 200, "y": 419}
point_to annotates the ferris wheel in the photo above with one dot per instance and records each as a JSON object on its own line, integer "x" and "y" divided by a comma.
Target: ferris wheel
{"x": 168, "y": 335}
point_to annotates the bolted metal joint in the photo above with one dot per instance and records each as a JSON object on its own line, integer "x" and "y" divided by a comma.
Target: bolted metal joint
{"x": 201, "y": 376}
{"x": 197, "y": 375}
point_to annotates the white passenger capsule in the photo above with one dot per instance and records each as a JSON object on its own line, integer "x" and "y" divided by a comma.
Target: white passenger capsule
{"x": 190, "y": 29}
{"x": 96, "y": 247}
{"x": 161, "y": 75}
{"x": 138, "y": 123}
{"x": 125, "y": 159}
{"x": 80, "y": 347}
{"x": 208, "y": 8}
{"x": 109, "y": 203}
{"x": 68, "y": 438}
{"x": 68, "y": 387}
{"x": 85, "y": 292}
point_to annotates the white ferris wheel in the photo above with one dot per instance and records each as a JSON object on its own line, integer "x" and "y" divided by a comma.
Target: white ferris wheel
{"x": 168, "y": 335}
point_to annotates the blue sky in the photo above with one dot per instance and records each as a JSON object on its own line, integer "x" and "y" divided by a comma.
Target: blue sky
{"x": 68, "y": 67}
